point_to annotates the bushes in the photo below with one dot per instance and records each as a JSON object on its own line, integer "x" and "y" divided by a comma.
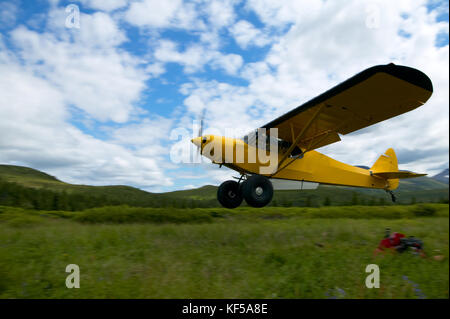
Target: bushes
{"x": 424, "y": 210}
{"x": 18, "y": 217}
{"x": 126, "y": 214}
{"x": 356, "y": 212}
{"x": 24, "y": 221}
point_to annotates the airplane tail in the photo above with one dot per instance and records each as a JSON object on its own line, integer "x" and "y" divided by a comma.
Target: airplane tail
{"x": 386, "y": 167}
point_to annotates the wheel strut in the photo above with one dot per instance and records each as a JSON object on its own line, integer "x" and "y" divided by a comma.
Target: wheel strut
{"x": 240, "y": 178}
{"x": 393, "y": 198}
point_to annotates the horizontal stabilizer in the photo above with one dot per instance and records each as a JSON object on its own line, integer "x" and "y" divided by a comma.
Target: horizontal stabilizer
{"x": 398, "y": 174}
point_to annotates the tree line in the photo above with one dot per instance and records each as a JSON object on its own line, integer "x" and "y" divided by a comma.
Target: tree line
{"x": 13, "y": 194}
{"x": 16, "y": 195}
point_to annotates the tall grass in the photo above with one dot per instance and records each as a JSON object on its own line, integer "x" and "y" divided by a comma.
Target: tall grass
{"x": 126, "y": 214}
{"x": 219, "y": 253}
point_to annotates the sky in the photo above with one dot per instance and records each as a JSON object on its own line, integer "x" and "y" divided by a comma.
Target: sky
{"x": 106, "y": 92}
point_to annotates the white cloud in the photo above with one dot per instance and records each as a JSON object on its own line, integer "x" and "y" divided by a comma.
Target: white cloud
{"x": 195, "y": 57}
{"x": 155, "y": 69}
{"x": 200, "y": 15}
{"x": 220, "y": 12}
{"x": 8, "y": 14}
{"x": 230, "y": 63}
{"x": 279, "y": 13}
{"x": 162, "y": 14}
{"x": 95, "y": 77}
{"x": 192, "y": 58}
{"x": 246, "y": 34}
{"x": 108, "y": 5}
{"x": 148, "y": 132}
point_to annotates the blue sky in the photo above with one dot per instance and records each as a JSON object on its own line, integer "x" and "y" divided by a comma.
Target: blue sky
{"x": 98, "y": 104}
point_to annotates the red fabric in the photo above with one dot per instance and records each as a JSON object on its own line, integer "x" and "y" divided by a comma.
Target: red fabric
{"x": 391, "y": 242}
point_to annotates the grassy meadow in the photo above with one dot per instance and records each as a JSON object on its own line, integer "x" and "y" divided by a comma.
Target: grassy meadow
{"x": 274, "y": 252}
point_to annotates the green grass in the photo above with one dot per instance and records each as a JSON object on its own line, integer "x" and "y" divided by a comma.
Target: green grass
{"x": 219, "y": 253}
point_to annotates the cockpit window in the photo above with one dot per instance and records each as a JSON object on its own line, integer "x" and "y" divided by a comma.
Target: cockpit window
{"x": 252, "y": 140}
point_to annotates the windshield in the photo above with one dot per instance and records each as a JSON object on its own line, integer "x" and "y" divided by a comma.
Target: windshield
{"x": 282, "y": 145}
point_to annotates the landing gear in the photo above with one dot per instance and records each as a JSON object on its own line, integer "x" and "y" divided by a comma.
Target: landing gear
{"x": 256, "y": 190}
{"x": 229, "y": 195}
{"x": 392, "y": 195}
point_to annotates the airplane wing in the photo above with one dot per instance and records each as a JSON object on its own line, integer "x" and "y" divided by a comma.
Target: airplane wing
{"x": 372, "y": 96}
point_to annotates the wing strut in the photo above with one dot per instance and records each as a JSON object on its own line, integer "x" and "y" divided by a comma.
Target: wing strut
{"x": 312, "y": 145}
{"x": 298, "y": 138}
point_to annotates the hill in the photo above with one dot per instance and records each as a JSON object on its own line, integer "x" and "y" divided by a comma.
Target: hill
{"x": 26, "y": 175}
{"x": 30, "y": 188}
{"x": 442, "y": 176}
{"x": 32, "y": 178}
{"x": 27, "y": 187}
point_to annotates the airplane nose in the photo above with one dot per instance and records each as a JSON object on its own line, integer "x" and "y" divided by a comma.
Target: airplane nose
{"x": 197, "y": 141}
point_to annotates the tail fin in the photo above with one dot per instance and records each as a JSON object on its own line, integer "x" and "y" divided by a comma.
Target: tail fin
{"x": 386, "y": 167}
{"x": 387, "y": 163}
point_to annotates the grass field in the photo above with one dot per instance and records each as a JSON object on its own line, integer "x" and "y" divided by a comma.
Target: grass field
{"x": 273, "y": 252}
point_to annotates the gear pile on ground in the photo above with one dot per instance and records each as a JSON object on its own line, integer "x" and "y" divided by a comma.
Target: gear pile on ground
{"x": 400, "y": 243}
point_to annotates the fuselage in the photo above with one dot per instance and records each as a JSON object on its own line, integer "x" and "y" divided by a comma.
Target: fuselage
{"x": 311, "y": 166}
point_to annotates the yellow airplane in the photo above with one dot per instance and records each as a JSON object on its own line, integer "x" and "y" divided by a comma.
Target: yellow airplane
{"x": 371, "y": 96}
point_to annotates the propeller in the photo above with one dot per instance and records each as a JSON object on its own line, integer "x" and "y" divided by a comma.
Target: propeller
{"x": 200, "y": 134}
{"x": 202, "y": 118}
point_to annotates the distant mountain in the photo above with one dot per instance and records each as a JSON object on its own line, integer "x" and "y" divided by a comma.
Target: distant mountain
{"x": 442, "y": 176}
{"x": 25, "y": 174}
{"x": 422, "y": 189}
{"x": 420, "y": 183}
{"x": 34, "y": 179}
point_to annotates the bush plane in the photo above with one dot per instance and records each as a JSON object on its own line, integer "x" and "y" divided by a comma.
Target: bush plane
{"x": 371, "y": 96}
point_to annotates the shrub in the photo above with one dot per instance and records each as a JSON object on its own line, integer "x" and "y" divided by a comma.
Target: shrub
{"x": 125, "y": 214}
{"x": 424, "y": 210}
{"x": 216, "y": 214}
{"x": 24, "y": 221}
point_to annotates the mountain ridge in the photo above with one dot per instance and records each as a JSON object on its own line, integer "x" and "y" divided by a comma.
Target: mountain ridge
{"x": 442, "y": 176}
